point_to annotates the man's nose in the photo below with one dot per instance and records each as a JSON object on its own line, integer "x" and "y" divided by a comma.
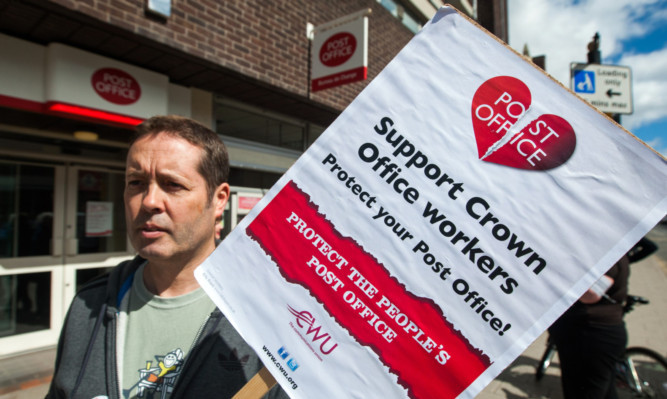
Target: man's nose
{"x": 153, "y": 200}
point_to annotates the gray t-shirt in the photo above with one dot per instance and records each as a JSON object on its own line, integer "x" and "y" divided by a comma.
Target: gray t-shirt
{"x": 159, "y": 334}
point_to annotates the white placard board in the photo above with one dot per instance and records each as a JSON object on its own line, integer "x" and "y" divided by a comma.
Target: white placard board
{"x": 456, "y": 208}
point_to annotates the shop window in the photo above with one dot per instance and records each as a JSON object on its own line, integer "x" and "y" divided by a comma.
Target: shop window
{"x": 390, "y": 5}
{"x": 100, "y": 213}
{"x": 252, "y": 178}
{"x": 25, "y": 303}
{"x": 402, "y": 14}
{"x": 260, "y": 127}
{"x": 26, "y": 210}
{"x": 314, "y": 132}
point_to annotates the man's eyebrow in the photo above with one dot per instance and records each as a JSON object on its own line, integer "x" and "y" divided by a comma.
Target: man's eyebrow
{"x": 133, "y": 172}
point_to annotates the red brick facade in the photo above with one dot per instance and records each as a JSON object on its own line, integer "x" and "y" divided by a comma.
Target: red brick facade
{"x": 262, "y": 40}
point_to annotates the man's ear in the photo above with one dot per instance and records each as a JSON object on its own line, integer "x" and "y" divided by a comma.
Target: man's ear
{"x": 220, "y": 199}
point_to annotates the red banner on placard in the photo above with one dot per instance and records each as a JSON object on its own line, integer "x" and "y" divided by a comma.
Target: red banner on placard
{"x": 409, "y": 334}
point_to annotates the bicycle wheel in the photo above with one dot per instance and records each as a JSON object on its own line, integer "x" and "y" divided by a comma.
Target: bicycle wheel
{"x": 642, "y": 374}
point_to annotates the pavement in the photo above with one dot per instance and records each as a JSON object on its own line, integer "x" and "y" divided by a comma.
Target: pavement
{"x": 28, "y": 375}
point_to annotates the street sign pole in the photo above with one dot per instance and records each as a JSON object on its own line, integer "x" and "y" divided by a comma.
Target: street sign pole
{"x": 595, "y": 57}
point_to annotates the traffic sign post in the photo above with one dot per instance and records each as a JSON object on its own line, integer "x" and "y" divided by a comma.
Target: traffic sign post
{"x": 606, "y": 87}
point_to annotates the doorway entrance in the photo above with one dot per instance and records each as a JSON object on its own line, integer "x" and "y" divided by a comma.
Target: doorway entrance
{"x": 61, "y": 224}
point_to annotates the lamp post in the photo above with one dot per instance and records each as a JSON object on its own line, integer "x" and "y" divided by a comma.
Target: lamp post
{"x": 594, "y": 50}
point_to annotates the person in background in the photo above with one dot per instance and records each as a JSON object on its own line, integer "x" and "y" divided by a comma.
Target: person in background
{"x": 591, "y": 336}
{"x": 147, "y": 329}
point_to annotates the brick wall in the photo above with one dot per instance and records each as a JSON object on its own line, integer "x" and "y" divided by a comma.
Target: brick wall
{"x": 264, "y": 40}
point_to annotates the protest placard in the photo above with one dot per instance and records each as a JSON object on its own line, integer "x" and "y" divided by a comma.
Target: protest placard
{"x": 454, "y": 210}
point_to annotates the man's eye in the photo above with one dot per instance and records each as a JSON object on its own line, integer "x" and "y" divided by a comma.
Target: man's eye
{"x": 133, "y": 183}
{"x": 173, "y": 185}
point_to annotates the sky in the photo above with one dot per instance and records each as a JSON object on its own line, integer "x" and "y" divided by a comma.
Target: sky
{"x": 633, "y": 33}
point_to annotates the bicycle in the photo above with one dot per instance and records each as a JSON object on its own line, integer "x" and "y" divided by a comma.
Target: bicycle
{"x": 641, "y": 373}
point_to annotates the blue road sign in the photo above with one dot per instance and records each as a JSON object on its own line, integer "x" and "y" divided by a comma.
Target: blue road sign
{"x": 584, "y": 82}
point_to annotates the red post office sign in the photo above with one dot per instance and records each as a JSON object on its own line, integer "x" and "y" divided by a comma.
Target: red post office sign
{"x": 116, "y": 86}
{"x": 339, "y": 53}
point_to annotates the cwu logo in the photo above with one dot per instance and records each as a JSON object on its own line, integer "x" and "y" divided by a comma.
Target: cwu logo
{"x": 306, "y": 322}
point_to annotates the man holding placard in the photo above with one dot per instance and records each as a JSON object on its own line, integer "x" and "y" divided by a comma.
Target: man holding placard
{"x": 147, "y": 328}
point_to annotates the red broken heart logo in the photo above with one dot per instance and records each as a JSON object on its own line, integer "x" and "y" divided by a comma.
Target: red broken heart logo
{"x": 544, "y": 143}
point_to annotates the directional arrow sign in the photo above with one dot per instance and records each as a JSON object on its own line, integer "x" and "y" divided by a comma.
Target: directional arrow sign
{"x": 607, "y": 87}
{"x": 611, "y": 93}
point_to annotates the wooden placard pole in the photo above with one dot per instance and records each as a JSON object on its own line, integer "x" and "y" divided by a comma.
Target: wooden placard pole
{"x": 257, "y": 386}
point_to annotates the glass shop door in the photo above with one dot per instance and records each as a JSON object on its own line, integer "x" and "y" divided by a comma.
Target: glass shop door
{"x": 61, "y": 224}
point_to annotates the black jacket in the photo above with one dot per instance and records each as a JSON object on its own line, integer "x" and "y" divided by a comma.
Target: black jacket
{"x": 219, "y": 364}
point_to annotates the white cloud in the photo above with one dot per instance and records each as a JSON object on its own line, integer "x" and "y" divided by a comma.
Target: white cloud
{"x": 649, "y": 87}
{"x": 659, "y": 145}
{"x": 562, "y": 29}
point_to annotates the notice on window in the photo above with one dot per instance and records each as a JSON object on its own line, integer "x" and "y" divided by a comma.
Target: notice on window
{"x": 461, "y": 203}
{"x": 99, "y": 219}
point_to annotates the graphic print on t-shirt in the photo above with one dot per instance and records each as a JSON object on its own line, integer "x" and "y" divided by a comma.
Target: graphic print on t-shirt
{"x": 158, "y": 382}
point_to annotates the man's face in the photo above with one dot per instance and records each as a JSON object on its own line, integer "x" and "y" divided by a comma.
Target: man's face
{"x": 169, "y": 217}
